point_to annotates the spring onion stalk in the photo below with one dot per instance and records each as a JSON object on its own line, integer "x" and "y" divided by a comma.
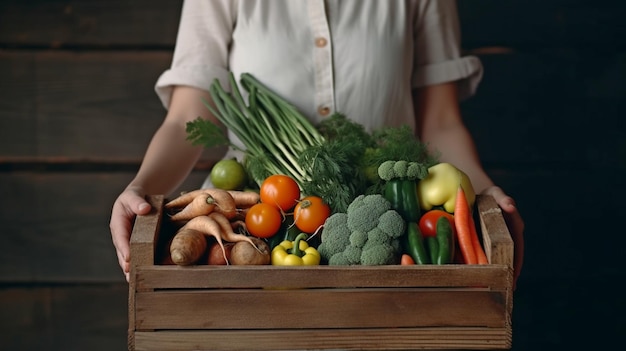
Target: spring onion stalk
{"x": 273, "y": 132}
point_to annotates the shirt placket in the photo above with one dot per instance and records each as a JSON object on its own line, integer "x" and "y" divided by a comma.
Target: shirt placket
{"x": 322, "y": 58}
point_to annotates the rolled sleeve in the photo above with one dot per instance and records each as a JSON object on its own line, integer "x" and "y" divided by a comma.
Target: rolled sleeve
{"x": 466, "y": 71}
{"x": 202, "y": 47}
{"x": 437, "y": 49}
{"x": 196, "y": 76}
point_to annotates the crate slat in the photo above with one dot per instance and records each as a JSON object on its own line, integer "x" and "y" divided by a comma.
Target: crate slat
{"x": 345, "y": 339}
{"x": 233, "y": 277}
{"x": 318, "y": 308}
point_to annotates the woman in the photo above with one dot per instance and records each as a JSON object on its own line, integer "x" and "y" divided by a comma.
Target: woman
{"x": 377, "y": 62}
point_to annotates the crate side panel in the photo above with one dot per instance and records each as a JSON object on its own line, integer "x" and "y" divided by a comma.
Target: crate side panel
{"x": 319, "y": 308}
{"x": 322, "y": 339}
{"x": 222, "y": 277}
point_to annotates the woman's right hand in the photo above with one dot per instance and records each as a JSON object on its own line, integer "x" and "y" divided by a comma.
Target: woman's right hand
{"x": 130, "y": 203}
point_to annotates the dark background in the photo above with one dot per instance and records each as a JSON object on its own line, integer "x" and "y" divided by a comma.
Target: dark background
{"x": 77, "y": 109}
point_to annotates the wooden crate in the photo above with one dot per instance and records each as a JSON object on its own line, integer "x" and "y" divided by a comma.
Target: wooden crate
{"x": 323, "y": 307}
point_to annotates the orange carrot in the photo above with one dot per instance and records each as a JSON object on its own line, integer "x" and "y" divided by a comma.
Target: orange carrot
{"x": 406, "y": 260}
{"x": 224, "y": 202}
{"x": 202, "y": 204}
{"x": 228, "y": 233}
{"x": 462, "y": 224}
{"x": 481, "y": 257}
{"x": 207, "y": 226}
{"x": 187, "y": 247}
{"x": 183, "y": 199}
{"x": 245, "y": 199}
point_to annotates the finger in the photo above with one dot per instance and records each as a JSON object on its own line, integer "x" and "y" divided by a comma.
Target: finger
{"x": 138, "y": 204}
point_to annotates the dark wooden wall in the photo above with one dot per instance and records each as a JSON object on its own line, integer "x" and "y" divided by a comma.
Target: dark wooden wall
{"x": 77, "y": 109}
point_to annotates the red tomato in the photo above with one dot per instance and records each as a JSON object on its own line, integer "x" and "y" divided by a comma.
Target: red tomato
{"x": 428, "y": 222}
{"x": 281, "y": 191}
{"x": 263, "y": 220}
{"x": 310, "y": 213}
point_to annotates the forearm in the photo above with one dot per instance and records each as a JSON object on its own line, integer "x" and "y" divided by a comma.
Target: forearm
{"x": 440, "y": 126}
{"x": 168, "y": 160}
{"x": 170, "y": 157}
{"x": 456, "y": 146}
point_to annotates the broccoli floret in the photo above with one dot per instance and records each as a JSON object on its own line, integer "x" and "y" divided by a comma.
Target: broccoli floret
{"x": 392, "y": 224}
{"x": 364, "y": 211}
{"x": 366, "y": 234}
{"x": 378, "y": 254}
{"x": 400, "y": 167}
{"x": 416, "y": 170}
{"x": 352, "y": 254}
{"x": 335, "y": 235}
{"x": 386, "y": 171}
{"x": 389, "y": 170}
{"x": 358, "y": 238}
{"x": 338, "y": 259}
{"x": 377, "y": 236}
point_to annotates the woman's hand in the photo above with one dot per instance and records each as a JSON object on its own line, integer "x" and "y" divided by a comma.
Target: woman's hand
{"x": 128, "y": 205}
{"x": 514, "y": 222}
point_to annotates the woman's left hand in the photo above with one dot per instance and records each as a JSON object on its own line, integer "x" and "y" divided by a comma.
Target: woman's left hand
{"x": 514, "y": 222}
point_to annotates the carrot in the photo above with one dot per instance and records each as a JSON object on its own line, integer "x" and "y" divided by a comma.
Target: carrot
{"x": 462, "y": 225}
{"x": 187, "y": 247}
{"x": 202, "y": 204}
{"x": 224, "y": 202}
{"x": 208, "y": 226}
{"x": 228, "y": 233}
{"x": 406, "y": 260}
{"x": 183, "y": 199}
{"x": 245, "y": 199}
{"x": 481, "y": 257}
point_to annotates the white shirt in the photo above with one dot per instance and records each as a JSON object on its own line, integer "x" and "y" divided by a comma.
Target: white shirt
{"x": 361, "y": 58}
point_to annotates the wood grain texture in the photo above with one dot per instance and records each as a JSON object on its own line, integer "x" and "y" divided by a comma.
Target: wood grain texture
{"x": 90, "y": 23}
{"x": 343, "y": 339}
{"x": 71, "y": 105}
{"x": 56, "y": 226}
{"x": 63, "y": 317}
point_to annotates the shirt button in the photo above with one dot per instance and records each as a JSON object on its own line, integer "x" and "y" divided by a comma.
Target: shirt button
{"x": 320, "y": 42}
{"x": 323, "y": 111}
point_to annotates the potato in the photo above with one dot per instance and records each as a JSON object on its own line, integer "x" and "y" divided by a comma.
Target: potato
{"x": 216, "y": 256}
{"x": 245, "y": 254}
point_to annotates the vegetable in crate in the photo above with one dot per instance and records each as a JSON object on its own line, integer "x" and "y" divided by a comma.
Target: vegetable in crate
{"x": 439, "y": 187}
{"x": 400, "y": 189}
{"x": 295, "y": 253}
{"x": 331, "y": 161}
{"x": 368, "y": 233}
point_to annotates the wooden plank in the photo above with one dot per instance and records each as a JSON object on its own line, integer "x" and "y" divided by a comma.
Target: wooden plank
{"x": 319, "y": 308}
{"x": 91, "y": 23}
{"x": 238, "y": 277}
{"x": 344, "y": 339}
{"x": 55, "y": 225}
{"x": 533, "y": 24}
{"x": 63, "y": 317}
{"x": 89, "y": 98}
{"x": 497, "y": 240}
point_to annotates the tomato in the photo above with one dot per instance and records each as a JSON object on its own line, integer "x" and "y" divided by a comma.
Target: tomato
{"x": 281, "y": 191}
{"x": 310, "y": 213}
{"x": 263, "y": 220}
{"x": 428, "y": 222}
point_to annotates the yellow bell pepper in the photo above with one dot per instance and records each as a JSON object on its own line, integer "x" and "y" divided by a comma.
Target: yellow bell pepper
{"x": 440, "y": 187}
{"x": 295, "y": 253}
